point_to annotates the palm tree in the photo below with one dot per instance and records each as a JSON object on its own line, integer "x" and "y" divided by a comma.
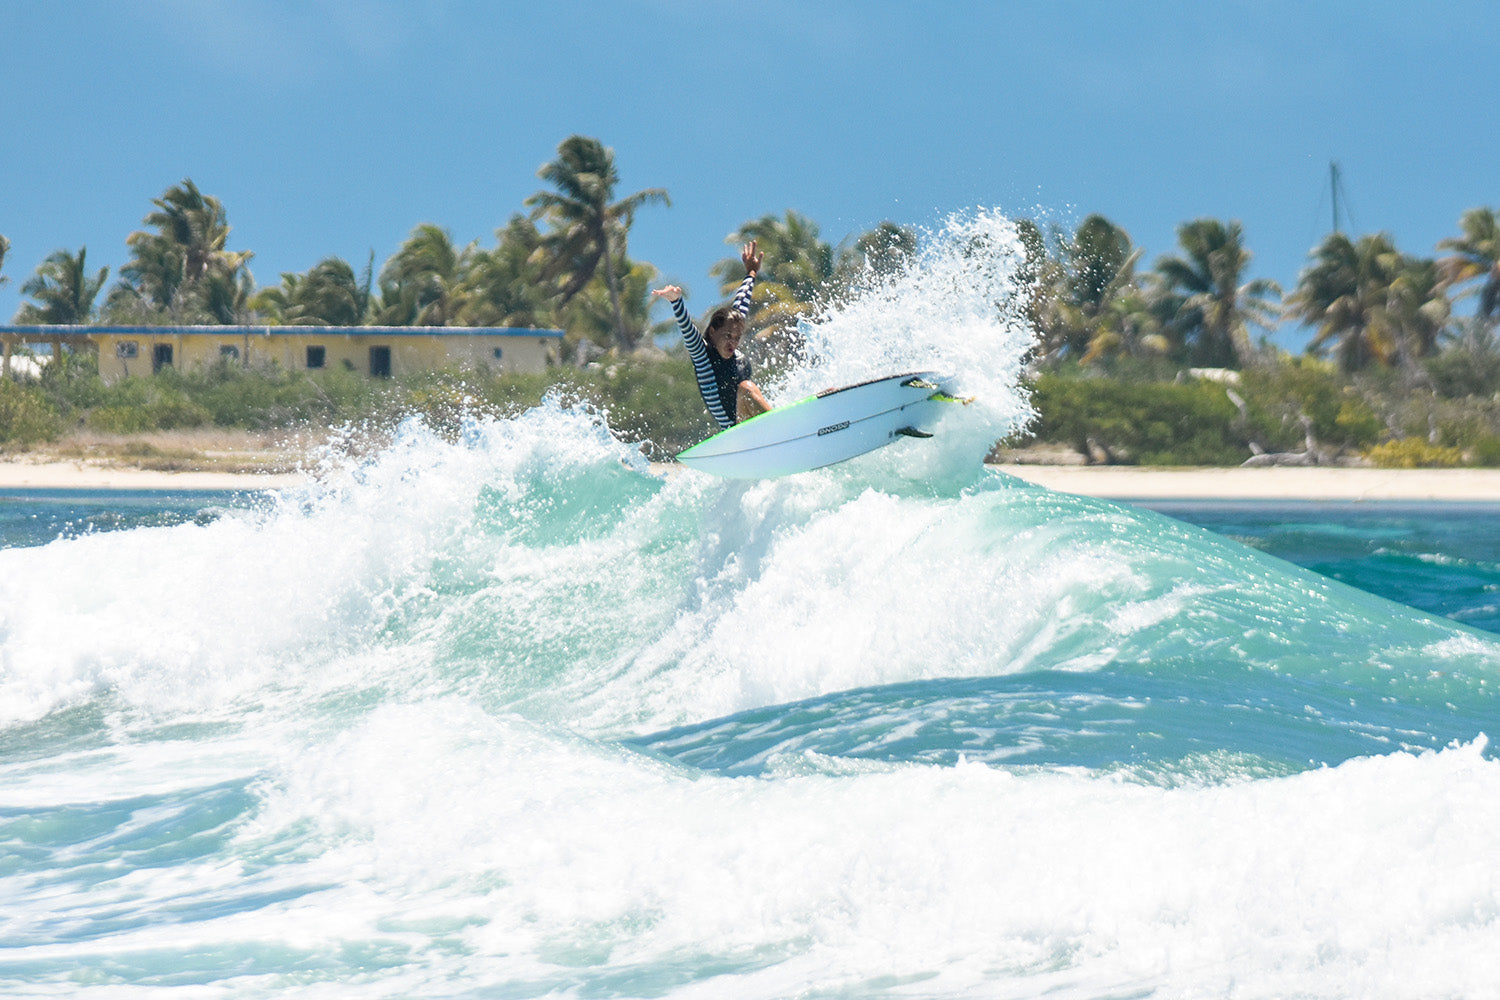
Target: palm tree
{"x": 1126, "y": 324}
{"x": 882, "y": 251}
{"x": 1211, "y": 305}
{"x": 421, "y": 284}
{"x": 63, "y": 289}
{"x": 504, "y": 286}
{"x": 590, "y": 313}
{"x": 327, "y": 295}
{"x": 172, "y": 266}
{"x": 1344, "y": 295}
{"x": 589, "y": 228}
{"x": 797, "y": 276}
{"x": 796, "y": 257}
{"x": 4, "y": 249}
{"x": 224, "y": 296}
{"x": 1475, "y": 255}
{"x": 1418, "y": 310}
{"x": 1090, "y": 305}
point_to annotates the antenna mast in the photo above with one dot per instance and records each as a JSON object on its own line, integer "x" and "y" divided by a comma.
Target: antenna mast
{"x": 1335, "y": 185}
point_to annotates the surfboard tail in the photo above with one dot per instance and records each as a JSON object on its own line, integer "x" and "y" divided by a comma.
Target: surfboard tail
{"x": 939, "y": 387}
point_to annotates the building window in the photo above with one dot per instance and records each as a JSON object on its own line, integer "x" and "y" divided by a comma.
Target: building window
{"x": 380, "y": 362}
{"x": 228, "y": 352}
{"x": 499, "y": 352}
{"x": 127, "y": 349}
{"x": 317, "y": 356}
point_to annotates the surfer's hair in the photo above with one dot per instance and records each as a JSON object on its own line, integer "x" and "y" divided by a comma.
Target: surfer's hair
{"x": 726, "y": 318}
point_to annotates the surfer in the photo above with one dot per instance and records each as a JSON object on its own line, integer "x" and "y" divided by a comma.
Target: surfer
{"x": 723, "y": 373}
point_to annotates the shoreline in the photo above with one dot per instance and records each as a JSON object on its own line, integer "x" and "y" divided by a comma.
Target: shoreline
{"x": 1313, "y": 483}
{"x": 81, "y": 475}
{"x": 1105, "y": 482}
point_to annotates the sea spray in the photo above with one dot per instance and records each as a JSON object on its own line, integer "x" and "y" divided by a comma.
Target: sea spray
{"x": 957, "y": 306}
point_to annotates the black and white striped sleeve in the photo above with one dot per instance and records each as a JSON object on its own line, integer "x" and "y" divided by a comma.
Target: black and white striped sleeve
{"x": 741, "y": 301}
{"x": 697, "y": 349}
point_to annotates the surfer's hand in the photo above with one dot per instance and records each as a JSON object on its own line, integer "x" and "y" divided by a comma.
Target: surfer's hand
{"x": 671, "y": 293}
{"x": 751, "y": 257}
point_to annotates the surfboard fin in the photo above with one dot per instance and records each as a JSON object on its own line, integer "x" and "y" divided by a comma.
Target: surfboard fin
{"x": 912, "y": 432}
{"x": 918, "y": 382}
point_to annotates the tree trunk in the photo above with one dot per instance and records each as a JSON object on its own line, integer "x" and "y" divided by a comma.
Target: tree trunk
{"x": 622, "y": 340}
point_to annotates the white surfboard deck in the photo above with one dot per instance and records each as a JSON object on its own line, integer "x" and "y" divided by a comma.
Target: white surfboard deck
{"x": 821, "y": 430}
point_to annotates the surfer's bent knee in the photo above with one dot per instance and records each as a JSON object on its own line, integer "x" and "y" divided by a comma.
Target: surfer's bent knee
{"x": 748, "y": 401}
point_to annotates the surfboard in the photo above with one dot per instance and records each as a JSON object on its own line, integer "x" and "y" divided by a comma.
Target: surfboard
{"x": 833, "y": 426}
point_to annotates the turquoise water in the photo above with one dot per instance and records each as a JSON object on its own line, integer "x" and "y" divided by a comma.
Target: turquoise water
{"x": 1443, "y": 558}
{"x": 515, "y": 715}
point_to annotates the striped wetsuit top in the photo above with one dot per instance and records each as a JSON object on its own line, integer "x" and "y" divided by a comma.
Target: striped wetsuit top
{"x": 719, "y": 378}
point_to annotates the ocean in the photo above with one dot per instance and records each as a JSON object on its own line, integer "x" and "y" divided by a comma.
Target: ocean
{"x": 515, "y": 715}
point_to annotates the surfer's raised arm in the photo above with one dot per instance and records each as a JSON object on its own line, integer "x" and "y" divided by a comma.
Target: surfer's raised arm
{"x": 751, "y": 256}
{"x": 723, "y": 374}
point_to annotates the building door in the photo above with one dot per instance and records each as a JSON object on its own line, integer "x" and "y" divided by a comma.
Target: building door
{"x": 380, "y": 362}
{"x": 161, "y": 357}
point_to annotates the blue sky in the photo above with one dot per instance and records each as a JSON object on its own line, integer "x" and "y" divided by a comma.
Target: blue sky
{"x": 334, "y": 128}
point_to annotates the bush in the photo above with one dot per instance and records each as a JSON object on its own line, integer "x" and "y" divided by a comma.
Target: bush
{"x": 1414, "y": 453}
{"x": 1484, "y": 451}
{"x": 1469, "y": 366}
{"x": 1279, "y": 396}
{"x": 1152, "y": 423}
{"x": 25, "y": 415}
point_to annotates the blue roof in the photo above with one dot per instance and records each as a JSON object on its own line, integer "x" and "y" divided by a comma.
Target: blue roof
{"x": 294, "y": 331}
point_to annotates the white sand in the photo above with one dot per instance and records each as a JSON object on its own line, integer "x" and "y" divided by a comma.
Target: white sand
{"x": 1114, "y": 482}
{"x": 1127, "y": 483}
{"x": 54, "y": 475}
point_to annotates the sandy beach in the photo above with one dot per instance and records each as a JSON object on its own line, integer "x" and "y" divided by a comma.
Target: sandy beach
{"x": 1130, "y": 483}
{"x": 1111, "y": 482}
{"x": 80, "y": 475}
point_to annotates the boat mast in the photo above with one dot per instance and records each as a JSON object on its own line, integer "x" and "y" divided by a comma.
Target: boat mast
{"x": 1335, "y": 185}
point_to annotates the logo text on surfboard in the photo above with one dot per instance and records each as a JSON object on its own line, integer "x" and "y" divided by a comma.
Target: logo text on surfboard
{"x": 833, "y": 428}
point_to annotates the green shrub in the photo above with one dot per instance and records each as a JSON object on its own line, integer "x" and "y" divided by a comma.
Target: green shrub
{"x": 1485, "y": 451}
{"x": 1150, "y": 423}
{"x": 1469, "y": 366}
{"x": 133, "y": 405}
{"x": 1278, "y": 397}
{"x": 1414, "y": 453}
{"x": 25, "y": 415}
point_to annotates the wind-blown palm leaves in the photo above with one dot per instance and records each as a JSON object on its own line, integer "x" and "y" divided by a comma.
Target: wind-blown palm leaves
{"x": 63, "y": 290}
{"x": 796, "y": 256}
{"x": 1210, "y": 305}
{"x": 591, "y": 314}
{"x": 1340, "y": 293}
{"x": 588, "y": 226}
{"x": 421, "y": 284}
{"x": 183, "y": 270}
{"x": 4, "y": 249}
{"x": 504, "y": 286}
{"x": 804, "y": 273}
{"x": 1417, "y": 310}
{"x": 1091, "y": 306}
{"x": 327, "y": 295}
{"x": 1475, "y": 255}
{"x": 874, "y": 255}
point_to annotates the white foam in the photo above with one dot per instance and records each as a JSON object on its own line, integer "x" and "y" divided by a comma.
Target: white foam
{"x": 1376, "y": 877}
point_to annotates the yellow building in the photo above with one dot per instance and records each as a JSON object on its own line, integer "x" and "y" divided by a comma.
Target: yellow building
{"x": 378, "y": 351}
